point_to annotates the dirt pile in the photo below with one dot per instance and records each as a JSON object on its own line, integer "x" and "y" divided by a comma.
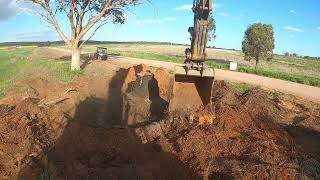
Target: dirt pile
{"x": 223, "y": 95}
{"x": 239, "y": 137}
{"x": 26, "y": 132}
{"x": 242, "y": 144}
{"x": 244, "y": 137}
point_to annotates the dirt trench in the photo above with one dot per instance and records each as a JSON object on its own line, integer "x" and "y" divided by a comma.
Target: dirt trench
{"x": 86, "y": 136}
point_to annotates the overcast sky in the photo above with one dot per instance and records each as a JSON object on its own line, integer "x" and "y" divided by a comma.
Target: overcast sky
{"x": 296, "y": 23}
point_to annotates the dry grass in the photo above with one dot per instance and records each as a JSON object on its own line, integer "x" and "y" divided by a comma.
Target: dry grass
{"x": 290, "y": 65}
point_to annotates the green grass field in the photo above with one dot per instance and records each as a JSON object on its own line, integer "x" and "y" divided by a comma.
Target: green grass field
{"x": 21, "y": 64}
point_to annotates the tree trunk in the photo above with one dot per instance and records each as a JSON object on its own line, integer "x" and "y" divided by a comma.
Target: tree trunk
{"x": 75, "y": 62}
{"x": 257, "y": 62}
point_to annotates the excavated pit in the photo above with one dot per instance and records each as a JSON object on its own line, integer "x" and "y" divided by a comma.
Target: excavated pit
{"x": 137, "y": 137}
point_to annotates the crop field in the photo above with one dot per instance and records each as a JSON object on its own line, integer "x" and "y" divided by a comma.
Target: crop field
{"x": 295, "y": 69}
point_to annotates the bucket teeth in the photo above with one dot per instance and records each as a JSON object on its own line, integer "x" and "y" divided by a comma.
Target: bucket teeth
{"x": 181, "y": 70}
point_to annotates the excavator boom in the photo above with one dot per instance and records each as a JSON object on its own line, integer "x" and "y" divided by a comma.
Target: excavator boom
{"x": 196, "y": 54}
{"x": 199, "y": 33}
{"x": 193, "y": 81}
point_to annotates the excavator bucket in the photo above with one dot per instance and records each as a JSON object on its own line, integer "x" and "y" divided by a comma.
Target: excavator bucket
{"x": 191, "y": 91}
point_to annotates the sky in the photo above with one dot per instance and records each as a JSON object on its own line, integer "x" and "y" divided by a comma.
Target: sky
{"x": 296, "y": 23}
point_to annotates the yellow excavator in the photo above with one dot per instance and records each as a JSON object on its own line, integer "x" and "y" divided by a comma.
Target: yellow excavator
{"x": 193, "y": 84}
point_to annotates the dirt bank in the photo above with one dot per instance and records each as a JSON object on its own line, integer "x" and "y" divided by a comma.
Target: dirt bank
{"x": 251, "y": 135}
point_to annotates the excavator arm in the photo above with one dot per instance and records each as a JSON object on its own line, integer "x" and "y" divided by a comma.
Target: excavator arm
{"x": 199, "y": 33}
{"x": 193, "y": 81}
{"x": 196, "y": 54}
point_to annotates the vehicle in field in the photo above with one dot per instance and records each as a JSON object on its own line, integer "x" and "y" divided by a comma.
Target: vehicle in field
{"x": 101, "y": 53}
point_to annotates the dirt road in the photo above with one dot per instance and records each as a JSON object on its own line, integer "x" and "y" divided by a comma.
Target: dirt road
{"x": 304, "y": 91}
{"x": 300, "y": 90}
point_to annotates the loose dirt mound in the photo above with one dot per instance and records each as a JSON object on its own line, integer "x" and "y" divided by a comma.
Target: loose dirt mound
{"x": 243, "y": 141}
{"x": 224, "y": 95}
{"x": 239, "y": 145}
{"x": 26, "y": 132}
{"x": 40, "y": 87}
{"x": 256, "y": 101}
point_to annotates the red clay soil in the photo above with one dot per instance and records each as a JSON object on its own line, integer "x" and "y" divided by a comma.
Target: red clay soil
{"x": 242, "y": 144}
{"x": 26, "y": 132}
{"x": 164, "y": 81}
{"x": 190, "y": 93}
{"x": 251, "y": 136}
{"x": 79, "y": 151}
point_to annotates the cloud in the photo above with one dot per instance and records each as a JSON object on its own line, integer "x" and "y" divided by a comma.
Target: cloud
{"x": 186, "y": 7}
{"x": 293, "y": 29}
{"x": 293, "y": 11}
{"x": 318, "y": 28}
{"x": 147, "y": 21}
{"x": 10, "y": 8}
{"x": 41, "y": 35}
{"x": 223, "y": 14}
{"x": 169, "y": 19}
{"x": 216, "y": 6}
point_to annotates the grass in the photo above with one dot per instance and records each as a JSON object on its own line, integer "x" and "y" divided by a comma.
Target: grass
{"x": 275, "y": 94}
{"x": 312, "y": 81}
{"x": 60, "y": 71}
{"x": 91, "y": 99}
{"x": 151, "y": 56}
{"x": 299, "y": 61}
{"x": 21, "y": 64}
{"x": 241, "y": 87}
{"x": 213, "y": 64}
{"x": 11, "y": 63}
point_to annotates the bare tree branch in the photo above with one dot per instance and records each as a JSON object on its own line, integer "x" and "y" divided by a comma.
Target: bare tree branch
{"x": 92, "y": 22}
{"x": 53, "y": 20}
{"x": 94, "y": 32}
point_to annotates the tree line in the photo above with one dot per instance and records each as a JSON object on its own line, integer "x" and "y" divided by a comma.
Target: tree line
{"x": 287, "y": 54}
